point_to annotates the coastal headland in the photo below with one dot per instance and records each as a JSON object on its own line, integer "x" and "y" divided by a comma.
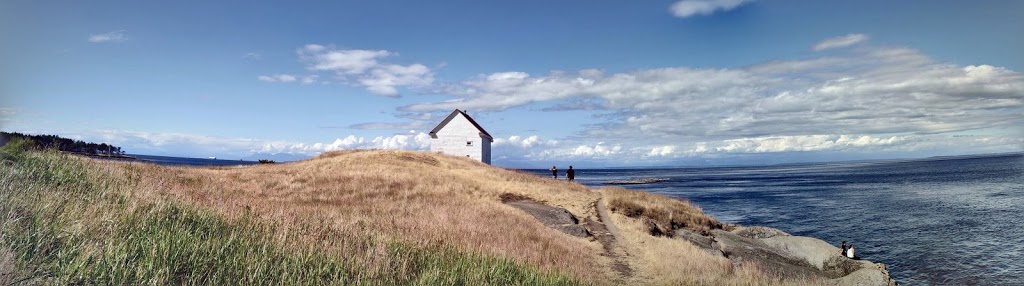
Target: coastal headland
{"x": 377, "y": 217}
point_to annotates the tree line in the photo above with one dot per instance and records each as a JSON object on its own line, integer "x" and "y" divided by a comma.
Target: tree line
{"x": 62, "y": 144}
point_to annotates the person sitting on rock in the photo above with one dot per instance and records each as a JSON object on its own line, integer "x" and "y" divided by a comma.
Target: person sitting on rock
{"x": 850, "y": 254}
{"x": 842, "y": 249}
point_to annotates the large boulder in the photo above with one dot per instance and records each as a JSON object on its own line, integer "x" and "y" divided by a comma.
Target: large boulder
{"x": 839, "y": 266}
{"x": 874, "y": 274}
{"x": 812, "y": 250}
{"x": 743, "y": 250}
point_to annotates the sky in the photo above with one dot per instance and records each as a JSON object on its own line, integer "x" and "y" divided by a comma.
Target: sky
{"x": 590, "y": 83}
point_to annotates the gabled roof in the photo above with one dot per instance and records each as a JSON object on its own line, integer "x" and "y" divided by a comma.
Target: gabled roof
{"x": 483, "y": 133}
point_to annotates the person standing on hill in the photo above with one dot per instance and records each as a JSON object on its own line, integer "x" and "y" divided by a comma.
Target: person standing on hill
{"x": 554, "y": 172}
{"x": 570, "y": 174}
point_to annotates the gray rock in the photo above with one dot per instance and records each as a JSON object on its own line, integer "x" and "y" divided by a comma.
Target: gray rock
{"x": 557, "y": 218}
{"x": 838, "y": 266}
{"x": 546, "y": 214}
{"x": 812, "y": 250}
{"x": 695, "y": 238}
{"x": 703, "y": 242}
{"x": 775, "y": 263}
{"x": 573, "y": 229}
{"x": 875, "y": 274}
{"x": 759, "y": 232}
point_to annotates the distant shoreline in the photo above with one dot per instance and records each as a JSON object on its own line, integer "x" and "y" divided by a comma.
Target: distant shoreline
{"x": 102, "y": 156}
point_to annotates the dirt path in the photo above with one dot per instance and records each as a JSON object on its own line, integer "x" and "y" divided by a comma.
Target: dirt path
{"x": 606, "y": 233}
{"x": 601, "y": 229}
{"x": 607, "y": 219}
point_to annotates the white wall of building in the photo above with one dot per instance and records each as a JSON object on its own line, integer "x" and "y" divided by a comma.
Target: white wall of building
{"x": 460, "y": 138}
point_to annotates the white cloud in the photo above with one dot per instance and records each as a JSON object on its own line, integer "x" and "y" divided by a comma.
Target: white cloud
{"x": 865, "y": 91}
{"x": 196, "y": 145}
{"x": 840, "y": 42}
{"x": 772, "y": 144}
{"x": 309, "y": 79}
{"x": 364, "y": 67}
{"x": 661, "y": 151}
{"x": 306, "y": 79}
{"x": 516, "y": 141}
{"x": 390, "y": 125}
{"x": 687, "y": 8}
{"x": 383, "y": 79}
{"x": 277, "y": 78}
{"x": 343, "y": 61}
{"x": 113, "y": 37}
{"x": 519, "y": 151}
{"x": 419, "y": 141}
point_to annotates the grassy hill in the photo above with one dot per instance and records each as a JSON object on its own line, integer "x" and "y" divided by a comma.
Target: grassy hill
{"x": 351, "y": 217}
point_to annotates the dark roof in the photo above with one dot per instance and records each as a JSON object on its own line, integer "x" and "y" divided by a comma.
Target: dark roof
{"x": 483, "y": 133}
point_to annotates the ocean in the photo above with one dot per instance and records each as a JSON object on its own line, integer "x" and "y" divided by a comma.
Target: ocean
{"x": 182, "y": 161}
{"x": 936, "y": 221}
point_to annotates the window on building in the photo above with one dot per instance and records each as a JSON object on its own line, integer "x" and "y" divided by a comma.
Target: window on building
{"x": 469, "y": 143}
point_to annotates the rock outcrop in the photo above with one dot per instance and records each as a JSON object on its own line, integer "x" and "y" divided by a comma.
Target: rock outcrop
{"x": 789, "y": 257}
{"x": 556, "y": 218}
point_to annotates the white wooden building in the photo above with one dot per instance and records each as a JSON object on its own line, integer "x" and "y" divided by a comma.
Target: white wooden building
{"x": 460, "y": 135}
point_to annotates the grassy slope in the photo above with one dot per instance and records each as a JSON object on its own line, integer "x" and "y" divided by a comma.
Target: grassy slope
{"x": 363, "y": 217}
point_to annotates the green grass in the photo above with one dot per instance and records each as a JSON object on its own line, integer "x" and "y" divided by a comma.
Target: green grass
{"x": 65, "y": 222}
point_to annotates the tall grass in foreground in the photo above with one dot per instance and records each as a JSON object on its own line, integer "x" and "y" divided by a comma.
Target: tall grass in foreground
{"x": 64, "y": 222}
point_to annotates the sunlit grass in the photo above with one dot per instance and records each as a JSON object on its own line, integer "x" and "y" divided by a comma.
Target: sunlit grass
{"x": 66, "y": 221}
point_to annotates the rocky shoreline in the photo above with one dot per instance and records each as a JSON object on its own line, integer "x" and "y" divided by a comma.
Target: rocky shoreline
{"x": 776, "y": 252}
{"x": 789, "y": 256}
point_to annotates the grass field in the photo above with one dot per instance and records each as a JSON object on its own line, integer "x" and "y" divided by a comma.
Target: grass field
{"x": 352, "y": 217}
{"x": 68, "y": 221}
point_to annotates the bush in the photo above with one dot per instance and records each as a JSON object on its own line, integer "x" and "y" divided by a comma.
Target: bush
{"x": 15, "y": 148}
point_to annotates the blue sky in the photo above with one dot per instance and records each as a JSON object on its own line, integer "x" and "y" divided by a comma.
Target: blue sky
{"x": 594, "y": 83}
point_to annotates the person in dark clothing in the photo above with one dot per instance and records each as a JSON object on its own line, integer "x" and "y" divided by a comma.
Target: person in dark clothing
{"x": 571, "y": 174}
{"x": 842, "y": 249}
{"x": 554, "y": 172}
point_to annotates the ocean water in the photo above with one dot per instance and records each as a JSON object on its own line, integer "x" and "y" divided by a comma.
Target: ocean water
{"x": 940, "y": 221}
{"x": 182, "y": 161}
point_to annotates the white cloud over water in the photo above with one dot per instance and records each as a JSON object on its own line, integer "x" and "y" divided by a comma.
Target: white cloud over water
{"x": 840, "y": 42}
{"x": 108, "y": 37}
{"x": 365, "y": 68}
{"x": 873, "y": 91}
{"x": 688, "y": 8}
{"x": 197, "y": 145}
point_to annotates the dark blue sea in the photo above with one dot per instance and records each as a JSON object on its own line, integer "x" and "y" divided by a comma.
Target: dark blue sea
{"x": 938, "y": 221}
{"x": 182, "y": 161}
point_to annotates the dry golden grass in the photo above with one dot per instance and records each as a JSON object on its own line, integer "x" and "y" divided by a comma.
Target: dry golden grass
{"x": 430, "y": 199}
{"x": 669, "y": 214}
{"x": 422, "y": 198}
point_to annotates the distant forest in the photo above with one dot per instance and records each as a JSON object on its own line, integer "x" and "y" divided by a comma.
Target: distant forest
{"x": 62, "y": 144}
